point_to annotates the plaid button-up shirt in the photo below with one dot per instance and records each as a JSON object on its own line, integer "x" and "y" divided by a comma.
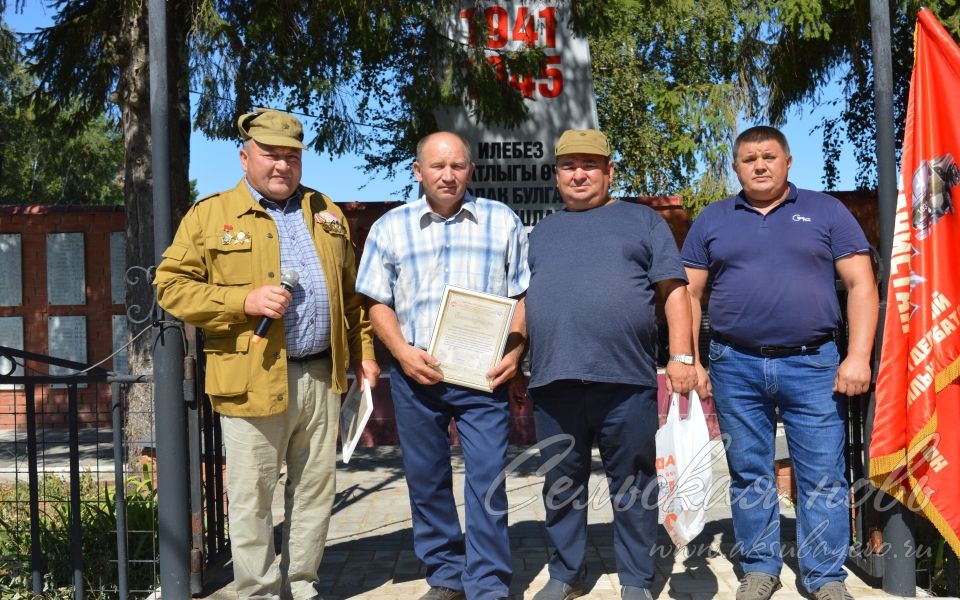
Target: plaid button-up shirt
{"x": 306, "y": 323}
{"x": 412, "y": 252}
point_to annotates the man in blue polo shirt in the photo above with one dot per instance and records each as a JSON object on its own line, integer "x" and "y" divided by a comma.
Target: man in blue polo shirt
{"x": 448, "y": 237}
{"x": 770, "y": 255}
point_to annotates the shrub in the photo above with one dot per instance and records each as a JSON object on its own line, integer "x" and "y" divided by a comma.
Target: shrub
{"x": 98, "y": 537}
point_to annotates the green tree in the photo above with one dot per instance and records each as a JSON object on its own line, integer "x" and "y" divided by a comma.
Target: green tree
{"x": 48, "y": 166}
{"x": 675, "y": 81}
{"x": 43, "y": 162}
{"x": 389, "y": 66}
{"x": 10, "y": 78}
{"x": 820, "y": 40}
{"x": 672, "y": 78}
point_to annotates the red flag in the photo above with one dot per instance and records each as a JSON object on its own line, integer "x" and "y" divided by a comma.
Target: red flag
{"x": 915, "y": 448}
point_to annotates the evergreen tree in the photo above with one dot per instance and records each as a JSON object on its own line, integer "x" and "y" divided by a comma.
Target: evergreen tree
{"x": 41, "y": 161}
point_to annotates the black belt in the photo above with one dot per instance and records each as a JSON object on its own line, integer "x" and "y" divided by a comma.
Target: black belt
{"x": 778, "y": 351}
{"x": 309, "y": 357}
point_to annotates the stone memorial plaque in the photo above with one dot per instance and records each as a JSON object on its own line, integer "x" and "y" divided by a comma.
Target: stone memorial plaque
{"x": 118, "y": 267}
{"x": 66, "y": 281}
{"x": 67, "y": 339}
{"x": 121, "y": 333}
{"x": 11, "y": 263}
{"x": 11, "y": 336}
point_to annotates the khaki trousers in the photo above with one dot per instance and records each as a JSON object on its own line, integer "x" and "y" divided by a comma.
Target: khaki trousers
{"x": 305, "y": 437}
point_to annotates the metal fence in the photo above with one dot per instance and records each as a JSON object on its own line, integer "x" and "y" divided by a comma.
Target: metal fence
{"x": 78, "y": 491}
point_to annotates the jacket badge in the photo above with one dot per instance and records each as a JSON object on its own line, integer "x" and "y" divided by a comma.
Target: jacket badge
{"x": 232, "y": 239}
{"x": 329, "y": 222}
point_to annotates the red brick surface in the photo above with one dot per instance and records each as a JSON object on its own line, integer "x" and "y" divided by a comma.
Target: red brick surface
{"x": 33, "y": 223}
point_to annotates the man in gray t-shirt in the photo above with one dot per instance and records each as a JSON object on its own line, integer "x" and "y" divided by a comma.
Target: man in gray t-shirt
{"x": 596, "y": 271}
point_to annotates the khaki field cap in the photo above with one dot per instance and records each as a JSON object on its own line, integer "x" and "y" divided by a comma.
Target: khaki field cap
{"x": 271, "y": 127}
{"x": 583, "y": 141}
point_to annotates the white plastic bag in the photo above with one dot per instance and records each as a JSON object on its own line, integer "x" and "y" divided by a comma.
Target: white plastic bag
{"x": 684, "y": 471}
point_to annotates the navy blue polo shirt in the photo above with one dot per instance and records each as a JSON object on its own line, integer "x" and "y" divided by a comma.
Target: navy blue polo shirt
{"x": 772, "y": 276}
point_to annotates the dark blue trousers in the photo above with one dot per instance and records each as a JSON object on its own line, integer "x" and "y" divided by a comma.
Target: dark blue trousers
{"x": 623, "y": 418}
{"x": 478, "y": 562}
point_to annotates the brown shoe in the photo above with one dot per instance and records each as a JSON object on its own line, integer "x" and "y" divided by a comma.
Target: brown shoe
{"x": 757, "y": 586}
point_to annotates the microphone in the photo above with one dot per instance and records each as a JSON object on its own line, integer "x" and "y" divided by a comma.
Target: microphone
{"x": 288, "y": 281}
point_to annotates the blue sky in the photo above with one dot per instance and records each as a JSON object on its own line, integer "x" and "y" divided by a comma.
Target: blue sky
{"x": 215, "y": 163}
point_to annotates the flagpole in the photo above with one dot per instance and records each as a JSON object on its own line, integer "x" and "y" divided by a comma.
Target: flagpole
{"x": 899, "y": 562}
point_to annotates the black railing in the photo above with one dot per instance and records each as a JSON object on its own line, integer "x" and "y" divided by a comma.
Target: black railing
{"x": 866, "y": 528}
{"x": 217, "y": 541}
{"x": 44, "y": 458}
{"x": 78, "y": 493}
{"x": 866, "y": 544}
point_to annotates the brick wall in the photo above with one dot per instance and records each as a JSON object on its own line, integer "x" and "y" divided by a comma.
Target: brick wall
{"x": 33, "y": 223}
{"x": 863, "y": 205}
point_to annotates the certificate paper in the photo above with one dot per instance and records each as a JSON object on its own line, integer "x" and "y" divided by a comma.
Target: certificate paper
{"x": 470, "y": 335}
{"x": 354, "y": 414}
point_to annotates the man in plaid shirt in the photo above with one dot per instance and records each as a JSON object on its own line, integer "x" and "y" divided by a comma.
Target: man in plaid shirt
{"x": 448, "y": 236}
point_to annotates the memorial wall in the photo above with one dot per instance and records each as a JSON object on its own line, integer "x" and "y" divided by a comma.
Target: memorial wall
{"x": 61, "y": 294}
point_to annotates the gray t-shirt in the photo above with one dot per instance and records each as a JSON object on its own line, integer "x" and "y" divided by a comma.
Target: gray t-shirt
{"x": 590, "y": 304}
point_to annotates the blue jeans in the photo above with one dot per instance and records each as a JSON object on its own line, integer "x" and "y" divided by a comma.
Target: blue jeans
{"x": 623, "y": 418}
{"x": 479, "y": 562}
{"x": 747, "y": 388}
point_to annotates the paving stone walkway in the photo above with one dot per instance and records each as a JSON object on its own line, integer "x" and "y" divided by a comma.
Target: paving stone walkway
{"x": 370, "y": 547}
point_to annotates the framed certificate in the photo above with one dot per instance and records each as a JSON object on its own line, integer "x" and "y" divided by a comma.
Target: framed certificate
{"x": 354, "y": 414}
{"x": 470, "y": 334}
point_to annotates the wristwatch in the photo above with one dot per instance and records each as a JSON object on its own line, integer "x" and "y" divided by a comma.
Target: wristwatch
{"x": 686, "y": 359}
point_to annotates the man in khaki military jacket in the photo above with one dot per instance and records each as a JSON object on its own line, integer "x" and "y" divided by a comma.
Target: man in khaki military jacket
{"x": 279, "y": 399}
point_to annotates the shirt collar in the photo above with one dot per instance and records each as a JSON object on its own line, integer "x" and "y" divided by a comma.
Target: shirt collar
{"x": 741, "y": 200}
{"x": 292, "y": 204}
{"x": 468, "y": 210}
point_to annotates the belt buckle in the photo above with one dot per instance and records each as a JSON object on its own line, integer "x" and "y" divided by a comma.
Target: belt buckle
{"x": 311, "y": 357}
{"x": 779, "y": 352}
